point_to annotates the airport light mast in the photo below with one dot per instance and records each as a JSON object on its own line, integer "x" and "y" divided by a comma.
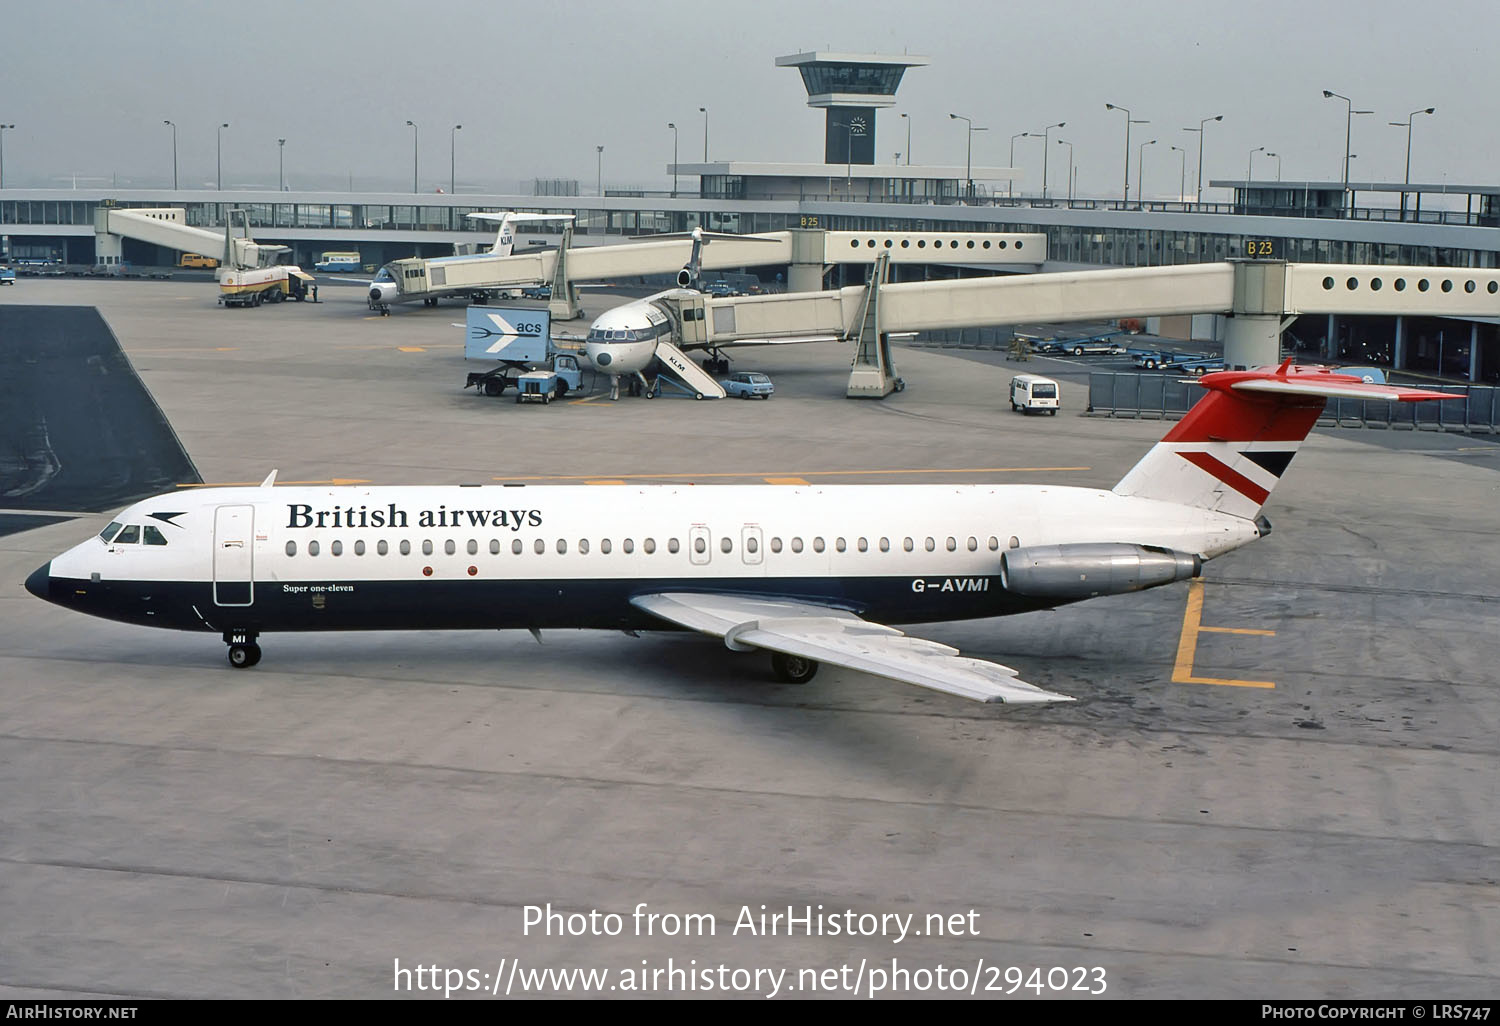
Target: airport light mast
{"x": 1064, "y": 142}
{"x": 219, "y": 151}
{"x": 1202, "y": 124}
{"x": 281, "y": 165}
{"x": 1181, "y": 173}
{"x": 1010, "y": 187}
{"x": 969, "y": 152}
{"x": 1140, "y": 175}
{"x": 1349, "y": 113}
{"x": 1125, "y": 196}
{"x": 673, "y": 126}
{"x": 453, "y": 159}
{"x": 1407, "y": 125}
{"x": 907, "y": 119}
{"x": 414, "y": 136}
{"x": 704, "y": 112}
{"x": 174, "y": 155}
{"x": 1047, "y": 138}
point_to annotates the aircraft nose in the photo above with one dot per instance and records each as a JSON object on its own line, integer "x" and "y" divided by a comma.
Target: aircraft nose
{"x": 40, "y": 581}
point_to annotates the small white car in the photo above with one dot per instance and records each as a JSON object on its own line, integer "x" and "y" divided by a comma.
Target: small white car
{"x": 1033, "y": 392}
{"x": 748, "y": 385}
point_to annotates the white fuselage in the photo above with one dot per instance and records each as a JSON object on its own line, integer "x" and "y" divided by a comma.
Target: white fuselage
{"x": 622, "y": 341}
{"x": 301, "y": 558}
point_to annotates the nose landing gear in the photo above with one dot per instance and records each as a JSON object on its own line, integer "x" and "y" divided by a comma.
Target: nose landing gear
{"x": 243, "y": 651}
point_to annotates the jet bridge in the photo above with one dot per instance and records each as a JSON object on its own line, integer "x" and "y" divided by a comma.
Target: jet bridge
{"x": 167, "y": 227}
{"x": 1258, "y": 296}
{"x": 809, "y": 252}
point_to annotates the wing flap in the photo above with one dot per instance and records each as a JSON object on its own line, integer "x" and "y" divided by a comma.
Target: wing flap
{"x": 839, "y": 637}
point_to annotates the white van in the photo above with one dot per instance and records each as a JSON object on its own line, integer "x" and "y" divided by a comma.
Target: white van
{"x": 1033, "y": 392}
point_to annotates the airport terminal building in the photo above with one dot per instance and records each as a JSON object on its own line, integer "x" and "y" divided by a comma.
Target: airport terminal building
{"x": 1322, "y": 222}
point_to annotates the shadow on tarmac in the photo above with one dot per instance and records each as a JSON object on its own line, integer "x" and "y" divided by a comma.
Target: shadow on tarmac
{"x": 79, "y": 432}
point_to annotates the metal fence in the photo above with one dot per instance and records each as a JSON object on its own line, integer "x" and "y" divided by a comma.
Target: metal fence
{"x": 1162, "y": 396}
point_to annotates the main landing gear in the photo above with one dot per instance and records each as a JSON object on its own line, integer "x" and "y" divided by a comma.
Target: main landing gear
{"x": 243, "y": 651}
{"x": 793, "y": 669}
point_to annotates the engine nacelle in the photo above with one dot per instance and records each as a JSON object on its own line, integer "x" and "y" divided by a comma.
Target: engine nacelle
{"x": 1085, "y": 570}
{"x": 684, "y": 278}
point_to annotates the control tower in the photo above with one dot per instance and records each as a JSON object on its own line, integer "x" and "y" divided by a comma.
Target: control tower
{"x": 849, "y": 86}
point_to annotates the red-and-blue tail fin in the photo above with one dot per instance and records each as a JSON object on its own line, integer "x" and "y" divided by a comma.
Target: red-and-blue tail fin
{"x": 1233, "y": 446}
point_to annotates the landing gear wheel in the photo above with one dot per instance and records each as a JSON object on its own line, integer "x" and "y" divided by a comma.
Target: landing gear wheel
{"x": 242, "y": 657}
{"x": 697, "y": 395}
{"x": 1151, "y": 365}
{"x": 793, "y": 669}
{"x": 1078, "y": 350}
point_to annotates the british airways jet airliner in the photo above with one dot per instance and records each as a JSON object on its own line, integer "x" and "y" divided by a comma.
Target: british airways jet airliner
{"x": 808, "y": 574}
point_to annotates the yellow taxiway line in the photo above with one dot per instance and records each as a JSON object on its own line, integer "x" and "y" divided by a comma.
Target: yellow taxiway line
{"x": 1187, "y": 645}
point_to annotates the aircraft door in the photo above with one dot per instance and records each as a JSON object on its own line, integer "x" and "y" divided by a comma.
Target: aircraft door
{"x": 700, "y": 545}
{"x": 751, "y": 544}
{"x": 234, "y": 535}
{"x": 694, "y": 329}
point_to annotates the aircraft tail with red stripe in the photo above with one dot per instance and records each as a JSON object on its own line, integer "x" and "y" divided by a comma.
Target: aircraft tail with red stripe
{"x": 1233, "y": 446}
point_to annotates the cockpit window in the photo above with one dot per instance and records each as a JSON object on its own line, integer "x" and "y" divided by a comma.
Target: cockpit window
{"x": 130, "y": 536}
{"x": 384, "y": 274}
{"x": 109, "y": 532}
{"x": 151, "y": 536}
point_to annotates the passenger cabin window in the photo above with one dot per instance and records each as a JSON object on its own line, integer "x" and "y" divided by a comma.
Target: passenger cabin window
{"x": 726, "y": 545}
{"x": 648, "y": 546}
{"x": 515, "y": 547}
{"x": 151, "y": 536}
{"x": 405, "y": 547}
{"x": 427, "y": 548}
{"x": 775, "y": 544}
{"x": 796, "y": 544}
{"x": 337, "y": 548}
{"x": 291, "y": 548}
{"x": 312, "y": 548}
{"x": 672, "y": 545}
{"x": 604, "y": 546}
{"x": 130, "y": 536}
{"x": 359, "y": 548}
{"x": 381, "y": 547}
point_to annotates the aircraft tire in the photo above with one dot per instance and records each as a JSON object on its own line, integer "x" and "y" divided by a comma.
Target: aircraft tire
{"x": 1078, "y": 350}
{"x": 697, "y": 395}
{"x": 242, "y": 657}
{"x": 790, "y": 669}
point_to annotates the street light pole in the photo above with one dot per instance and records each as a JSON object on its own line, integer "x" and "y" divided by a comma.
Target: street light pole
{"x": 704, "y": 112}
{"x": 1278, "y": 164}
{"x": 1064, "y": 142}
{"x": 1250, "y": 168}
{"x": 599, "y": 171}
{"x": 969, "y": 152}
{"x": 1349, "y": 113}
{"x": 453, "y": 159}
{"x": 1010, "y": 188}
{"x": 219, "y": 150}
{"x": 1125, "y": 197}
{"x": 907, "y": 118}
{"x": 1181, "y": 173}
{"x": 281, "y": 165}
{"x": 415, "y": 134}
{"x": 673, "y": 126}
{"x": 1202, "y": 124}
{"x": 1140, "y": 180}
{"x": 174, "y": 153}
{"x": 1407, "y": 124}
{"x": 2, "y": 153}
{"x": 1047, "y": 138}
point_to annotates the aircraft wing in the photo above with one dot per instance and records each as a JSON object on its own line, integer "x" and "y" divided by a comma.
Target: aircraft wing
{"x": 735, "y": 343}
{"x": 832, "y": 635}
{"x": 352, "y": 281}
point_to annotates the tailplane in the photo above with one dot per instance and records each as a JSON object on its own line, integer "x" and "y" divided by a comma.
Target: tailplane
{"x": 505, "y": 237}
{"x": 1233, "y": 446}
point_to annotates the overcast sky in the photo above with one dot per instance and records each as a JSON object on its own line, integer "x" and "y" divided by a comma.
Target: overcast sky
{"x": 538, "y": 86}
